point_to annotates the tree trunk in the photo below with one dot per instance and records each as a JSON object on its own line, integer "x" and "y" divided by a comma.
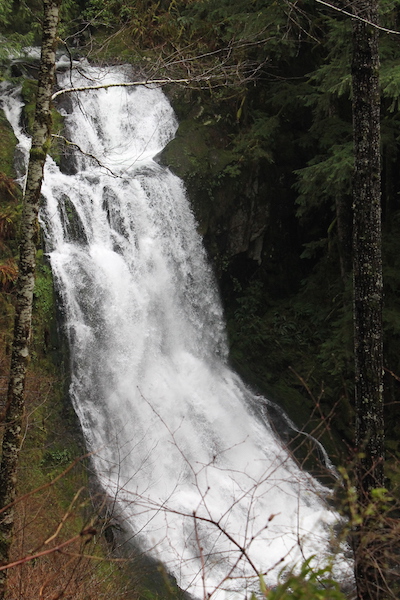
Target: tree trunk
{"x": 368, "y": 294}
{"x": 27, "y": 261}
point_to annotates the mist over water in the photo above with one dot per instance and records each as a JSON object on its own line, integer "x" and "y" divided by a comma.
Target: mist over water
{"x": 201, "y": 482}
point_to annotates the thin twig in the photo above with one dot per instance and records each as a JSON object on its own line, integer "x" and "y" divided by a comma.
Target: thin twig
{"x": 89, "y": 531}
{"x": 46, "y": 485}
{"x": 65, "y": 517}
{"x": 69, "y": 143}
{"x": 353, "y": 16}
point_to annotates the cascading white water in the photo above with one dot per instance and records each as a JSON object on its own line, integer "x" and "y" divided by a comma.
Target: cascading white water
{"x": 203, "y": 484}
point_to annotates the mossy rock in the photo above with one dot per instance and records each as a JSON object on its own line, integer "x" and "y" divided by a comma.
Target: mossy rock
{"x": 200, "y": 155}
{"x": 47, "y": 347}
{"x": 8, "y": 142}
{"x": 28, "y": 93}
{"x": 73, "y": 222}
{"x": 198, "y": 149}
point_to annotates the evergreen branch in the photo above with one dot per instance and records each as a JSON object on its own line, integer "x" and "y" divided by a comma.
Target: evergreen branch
{"x": 348, "y": 14}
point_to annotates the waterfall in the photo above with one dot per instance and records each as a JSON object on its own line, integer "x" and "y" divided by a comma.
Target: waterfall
{"x": 201, "y": 482}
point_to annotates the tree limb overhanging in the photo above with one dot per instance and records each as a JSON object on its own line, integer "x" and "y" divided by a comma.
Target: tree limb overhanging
{"x": 357, "y": 17}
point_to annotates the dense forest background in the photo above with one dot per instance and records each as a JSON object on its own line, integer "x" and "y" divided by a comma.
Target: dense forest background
{"x": 265, "y": 148}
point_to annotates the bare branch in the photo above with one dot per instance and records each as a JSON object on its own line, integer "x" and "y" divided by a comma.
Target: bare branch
{"x": 145, "y": 82}
{"x": 89, "y": 531}
{"x": 46, "y": 485}
{"x": 68, "y": 143}
{"x": 65, "y": 517}
{"x": 349, "y": 14}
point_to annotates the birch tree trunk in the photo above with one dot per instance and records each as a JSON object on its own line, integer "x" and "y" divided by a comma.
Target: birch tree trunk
{"x": 368, "y": 294}
{"x": 27, "y": 262}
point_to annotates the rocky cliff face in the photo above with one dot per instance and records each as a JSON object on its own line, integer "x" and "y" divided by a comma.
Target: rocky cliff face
{"x": 244, "y": 208}
{"x": 229, "y": 201}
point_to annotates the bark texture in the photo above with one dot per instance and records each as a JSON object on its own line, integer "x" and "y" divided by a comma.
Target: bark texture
{"x": 368, "y": 294}
{"x": 27, "y": 262}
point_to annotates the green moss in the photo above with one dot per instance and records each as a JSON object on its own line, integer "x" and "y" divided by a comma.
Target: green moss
{"x": 28, "y": 93}
{"x": 8, "y": 142}
{"x": 55, "y": 146}
{"x": 44, "y": 322}
{"x": 38, "y": 154}
{"x": 193, "y": 152}
{"x": 201, "y": 155}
